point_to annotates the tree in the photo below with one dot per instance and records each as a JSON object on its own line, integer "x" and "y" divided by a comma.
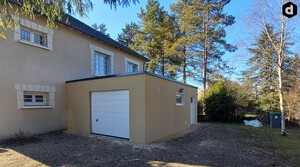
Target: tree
{"x": 292, "y": 95}
{"x": 101, "y": 28}
{"x": 127, "y": 35}
{"x": 262, "y": 74}
{"x": 260, "y": 71}
{"x": 219, "y": 103}
{"x": 153, "y": 38}
{"x": 52, "y": 10}
{"x": 269, "y": 13}
{"x": 204, "y": 22}
{"x": 182, "y": 43}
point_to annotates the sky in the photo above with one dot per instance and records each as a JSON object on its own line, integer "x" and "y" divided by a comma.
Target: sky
{"x": 115, "y": 20}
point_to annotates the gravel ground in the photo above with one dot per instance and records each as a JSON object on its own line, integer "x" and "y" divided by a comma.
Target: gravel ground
{"x": 204, "y": 144}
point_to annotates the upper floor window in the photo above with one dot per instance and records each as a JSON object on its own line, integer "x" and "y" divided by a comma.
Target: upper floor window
{"x": 39, "y": 39}
{"x": 25, "y": 35}
{"x": 33, "y": 37}
{"x": 131, "y": 65}
{"x": 102, "y": 64}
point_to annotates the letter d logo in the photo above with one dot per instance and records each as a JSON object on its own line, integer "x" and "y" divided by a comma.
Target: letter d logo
{"x": 289, "y": 10}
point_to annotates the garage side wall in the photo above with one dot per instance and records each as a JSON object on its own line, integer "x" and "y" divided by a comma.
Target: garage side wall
{"x": 163, "y": 117}
{"x": 79, "y": 102}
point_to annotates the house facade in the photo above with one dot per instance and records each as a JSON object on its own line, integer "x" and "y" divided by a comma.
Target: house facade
{"x": 36, "y": 62}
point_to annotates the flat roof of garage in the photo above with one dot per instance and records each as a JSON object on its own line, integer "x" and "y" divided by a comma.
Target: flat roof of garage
{"x": 130, "y": 74}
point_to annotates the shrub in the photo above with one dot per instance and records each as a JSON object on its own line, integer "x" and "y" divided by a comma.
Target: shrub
{"x": 219, "y": 103}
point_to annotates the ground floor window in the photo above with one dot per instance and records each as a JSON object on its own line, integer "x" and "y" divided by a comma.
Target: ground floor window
{"x": 36, "y": 98}
{"x": 179, "y": 99}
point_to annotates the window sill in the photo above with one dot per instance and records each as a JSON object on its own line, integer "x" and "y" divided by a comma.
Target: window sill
{"x": 32, "y": 44}
{"x": 179, "y": 104}
{"x": 37, "y": 107}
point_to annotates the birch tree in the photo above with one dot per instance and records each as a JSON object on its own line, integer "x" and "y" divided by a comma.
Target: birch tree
{"x": 269, "y": 12}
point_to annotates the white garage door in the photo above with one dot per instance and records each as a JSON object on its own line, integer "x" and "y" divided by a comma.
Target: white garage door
{"x": 110, "y": 113}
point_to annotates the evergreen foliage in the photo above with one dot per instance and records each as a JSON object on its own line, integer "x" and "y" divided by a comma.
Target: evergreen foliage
{"x": 157, "y": 30}
{"x": 219, "y": 102}
{"x": 52, "y": 10}
{"x": 127, "y": 35}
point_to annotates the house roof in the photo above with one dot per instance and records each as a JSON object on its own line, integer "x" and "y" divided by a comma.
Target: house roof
{"x": 82, "y": 27}
{"x": 129, "y": 74}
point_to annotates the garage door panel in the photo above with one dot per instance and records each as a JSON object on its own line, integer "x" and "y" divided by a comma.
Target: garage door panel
{"x": 111, "y": 110}
{"x": 116, "y": 103}
{"x": 114, "y": 117}
{"x": 110, "y": 113}
{"x": 119, "y": 92}
{"x": 110, "y": 132}
{"x": 111, "y": 97}
{"x": 113, "y": 127}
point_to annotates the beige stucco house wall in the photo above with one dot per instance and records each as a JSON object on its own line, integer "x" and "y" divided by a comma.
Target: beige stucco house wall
{"x": 28, "y": 67}
{"x": 153, "y": 111}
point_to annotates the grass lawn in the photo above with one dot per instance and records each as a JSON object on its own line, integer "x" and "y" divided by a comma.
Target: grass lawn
{"x": 287, "y": 147}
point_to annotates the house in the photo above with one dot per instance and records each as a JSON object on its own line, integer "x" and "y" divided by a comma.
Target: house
{"x": 78, "y": 79}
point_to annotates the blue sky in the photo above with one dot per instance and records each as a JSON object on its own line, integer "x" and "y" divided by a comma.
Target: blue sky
{"x": 115, "y": 20}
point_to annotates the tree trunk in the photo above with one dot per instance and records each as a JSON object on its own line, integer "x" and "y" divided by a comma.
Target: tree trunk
{"x": 280, "y": 66}
{"x": 204, "y": 68}
{"x": 281, "y": 100}
{"x": 163, "y": 66}
{"x": 184, "y": 65}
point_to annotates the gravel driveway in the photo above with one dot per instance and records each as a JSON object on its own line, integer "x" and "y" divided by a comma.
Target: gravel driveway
{"x": 203, "y": 145}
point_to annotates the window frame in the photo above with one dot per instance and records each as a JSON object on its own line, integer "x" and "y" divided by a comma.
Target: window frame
{"x": 182, "y": 99}
{"x": 34, "y": 98}
{"x": 99, "y": 65}
{"x": 32, "y": 35}
{"x": 24, "y": 30}
{"x": 131, "y": 61}
{"x": 132, "y": 67}
{"x": 41, "y": 41}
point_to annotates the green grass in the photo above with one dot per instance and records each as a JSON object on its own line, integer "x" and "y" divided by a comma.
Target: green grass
{"x": 287, "y": 147}
{"x": 250, "y": 115}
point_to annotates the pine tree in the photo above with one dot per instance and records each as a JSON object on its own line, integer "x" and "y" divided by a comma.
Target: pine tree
{"x": 204, "y": 22}
{"x": 101, "y": 28}
{"x": 153, "y": 38}
{"x": 261, "y": 72}
{"x": 127, "y": 35}
{"x": 182, "y": 43}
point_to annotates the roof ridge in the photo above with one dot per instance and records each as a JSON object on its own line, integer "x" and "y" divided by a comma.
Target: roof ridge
{"x": 84, "y": 28}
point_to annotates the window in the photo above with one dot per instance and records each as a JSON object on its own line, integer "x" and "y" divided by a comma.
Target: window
{"x": 132, "y": 67}
{"x": 179, "y": 99}
{"x": 35, "y": 98}
{"x": 34, "y": 37}
{"x": 102, "y": 64}
{"x": 25, "y": 35}
{"x": 38, "y": 39}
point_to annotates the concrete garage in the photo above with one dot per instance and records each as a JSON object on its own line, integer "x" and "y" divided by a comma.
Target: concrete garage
{"x": 141, "y": 107}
